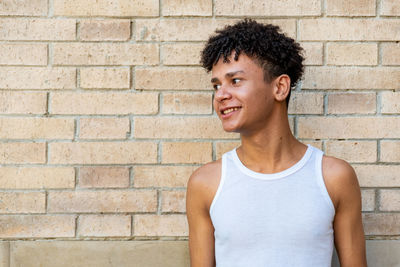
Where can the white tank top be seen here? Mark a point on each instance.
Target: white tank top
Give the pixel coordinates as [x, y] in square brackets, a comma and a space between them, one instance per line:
[273, 220]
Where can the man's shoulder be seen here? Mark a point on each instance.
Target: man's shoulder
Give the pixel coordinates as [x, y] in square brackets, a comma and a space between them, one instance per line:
[337, 168]
[206, 174]
[205, 180]
[340, 178]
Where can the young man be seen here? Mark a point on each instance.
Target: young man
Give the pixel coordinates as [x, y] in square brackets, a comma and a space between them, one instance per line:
[273, 201]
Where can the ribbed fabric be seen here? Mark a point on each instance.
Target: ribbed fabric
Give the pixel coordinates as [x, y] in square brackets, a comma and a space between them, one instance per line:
[275, 220]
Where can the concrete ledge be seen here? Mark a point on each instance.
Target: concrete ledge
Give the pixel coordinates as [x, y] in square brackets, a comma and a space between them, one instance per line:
[99, 253]
[383, 253]
[380, 253]
[4, 254]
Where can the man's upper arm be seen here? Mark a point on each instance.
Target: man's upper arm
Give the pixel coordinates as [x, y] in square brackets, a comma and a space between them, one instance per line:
[201, 230]
[348, 227]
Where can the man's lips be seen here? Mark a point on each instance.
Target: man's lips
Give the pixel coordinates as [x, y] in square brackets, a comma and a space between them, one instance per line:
[228, 110]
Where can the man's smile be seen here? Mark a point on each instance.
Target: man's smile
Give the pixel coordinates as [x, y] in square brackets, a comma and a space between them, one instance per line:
[228, 110]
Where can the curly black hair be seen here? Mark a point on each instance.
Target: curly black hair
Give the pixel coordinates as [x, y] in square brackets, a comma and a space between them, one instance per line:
[272, 50]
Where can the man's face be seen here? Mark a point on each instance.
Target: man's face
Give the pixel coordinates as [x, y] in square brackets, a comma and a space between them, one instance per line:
[242, 100]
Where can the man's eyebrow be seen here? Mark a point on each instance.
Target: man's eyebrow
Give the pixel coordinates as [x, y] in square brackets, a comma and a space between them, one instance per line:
[214, 80]
[233, 73]
[229, 74]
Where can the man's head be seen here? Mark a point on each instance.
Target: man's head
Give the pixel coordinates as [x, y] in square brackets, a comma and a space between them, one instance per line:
[274, 52]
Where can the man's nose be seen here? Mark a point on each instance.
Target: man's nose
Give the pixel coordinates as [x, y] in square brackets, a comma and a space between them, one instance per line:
[222, 94]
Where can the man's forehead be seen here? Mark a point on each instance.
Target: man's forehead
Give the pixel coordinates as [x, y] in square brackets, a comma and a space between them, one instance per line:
[228, 74]
[243, 63]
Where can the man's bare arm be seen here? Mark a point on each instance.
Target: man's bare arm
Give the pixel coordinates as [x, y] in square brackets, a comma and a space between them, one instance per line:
[348, 227]
[201, 231]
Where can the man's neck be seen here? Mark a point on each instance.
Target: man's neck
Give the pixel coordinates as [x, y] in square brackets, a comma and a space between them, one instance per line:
[272, 149]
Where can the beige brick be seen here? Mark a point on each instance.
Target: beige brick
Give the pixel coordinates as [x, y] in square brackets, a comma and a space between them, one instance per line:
[352, 103]
[105, 54]
[162, 176]
[390, 8]
[102, 201]
[181, 53]
[160, 225]
[103, 153]
[368, 199]
[24, 8]
[352, 151]
[313, 53]
[194, 29]
[36, 177]
[30, 226]
[350, 8]
[105, 30]
[22, 202]
[181, 78]
[22, 103]
[37, 78]
[349, 127]
[180, 127]
[306, 103]
[37, 29]
[187, 8]
[103, 128]
[100, 177]
[352, 54]
[104, 225]
[378, 175]
[389, 200]
[390, 151]
[186, 152]
[348, 29]
[105, 253]
[176, 30]
[108, 8]
[390, 53]
[36, 128]
[104, 103]
[381, 223]
[173, 201]
[109, 78]
[23, 54]
[223, 147]
[268, 8]
[19, 153]
[187, 103]
[354, 77]
[390, 102]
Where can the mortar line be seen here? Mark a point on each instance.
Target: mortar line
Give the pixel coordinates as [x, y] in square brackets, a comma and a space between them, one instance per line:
[213, 151]
[77, 177]
[159, 202]
[50, 8]
[132, 225]
[131, 177]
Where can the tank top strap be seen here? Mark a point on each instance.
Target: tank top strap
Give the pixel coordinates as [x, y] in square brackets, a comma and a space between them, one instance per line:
[320, 178]
[224, 163]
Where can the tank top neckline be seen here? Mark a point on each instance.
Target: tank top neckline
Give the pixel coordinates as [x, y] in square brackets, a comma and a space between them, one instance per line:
[271, 176]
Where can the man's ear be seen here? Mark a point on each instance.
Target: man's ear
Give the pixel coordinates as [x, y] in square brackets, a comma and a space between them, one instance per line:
[281, 87]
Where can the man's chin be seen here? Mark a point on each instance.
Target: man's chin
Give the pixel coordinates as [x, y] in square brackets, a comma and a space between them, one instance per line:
[231, 129]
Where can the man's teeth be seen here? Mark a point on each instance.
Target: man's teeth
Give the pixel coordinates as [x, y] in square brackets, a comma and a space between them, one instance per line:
[229, 110]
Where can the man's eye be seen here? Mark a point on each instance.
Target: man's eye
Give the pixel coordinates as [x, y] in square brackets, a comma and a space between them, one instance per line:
[235, 80]
[216, 86]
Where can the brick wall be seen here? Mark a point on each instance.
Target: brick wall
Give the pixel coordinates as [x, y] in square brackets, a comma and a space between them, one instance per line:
[105, 111]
